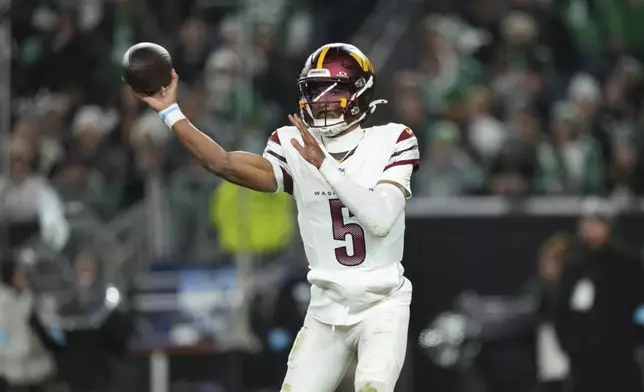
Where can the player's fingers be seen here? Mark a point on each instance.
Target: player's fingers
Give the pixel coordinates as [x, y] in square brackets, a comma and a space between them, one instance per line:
[306, 135]
[300, 148]
[295, 120]
[299, 122]
[305, 128]
[291, 119]
[174, 81]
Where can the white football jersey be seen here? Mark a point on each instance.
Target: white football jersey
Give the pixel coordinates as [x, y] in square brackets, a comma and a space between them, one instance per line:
[350, 270]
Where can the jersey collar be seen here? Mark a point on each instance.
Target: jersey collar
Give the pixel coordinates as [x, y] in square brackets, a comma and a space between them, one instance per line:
[345, 142]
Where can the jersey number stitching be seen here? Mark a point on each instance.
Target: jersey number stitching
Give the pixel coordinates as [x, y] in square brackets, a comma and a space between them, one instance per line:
[340, 232]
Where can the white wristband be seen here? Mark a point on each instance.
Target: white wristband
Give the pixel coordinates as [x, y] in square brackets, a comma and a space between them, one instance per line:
[171, 115]
[331, 171]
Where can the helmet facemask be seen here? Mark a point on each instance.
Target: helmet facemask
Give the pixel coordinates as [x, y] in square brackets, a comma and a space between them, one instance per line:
[324, 105]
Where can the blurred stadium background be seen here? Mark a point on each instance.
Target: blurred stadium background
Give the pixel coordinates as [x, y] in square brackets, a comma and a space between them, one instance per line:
[148, 274]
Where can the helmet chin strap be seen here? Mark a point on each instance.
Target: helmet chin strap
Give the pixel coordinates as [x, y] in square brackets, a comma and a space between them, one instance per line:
[340, 126]
[343, 143]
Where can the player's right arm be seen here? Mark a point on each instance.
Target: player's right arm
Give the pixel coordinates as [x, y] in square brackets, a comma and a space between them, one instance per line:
[241, 168]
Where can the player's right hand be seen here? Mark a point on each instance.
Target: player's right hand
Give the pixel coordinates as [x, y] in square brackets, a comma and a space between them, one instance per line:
[166, 97]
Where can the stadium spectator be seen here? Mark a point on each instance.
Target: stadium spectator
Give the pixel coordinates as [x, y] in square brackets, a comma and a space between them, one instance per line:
[28, 204]
[447, 171]
[94, 173]
[79, 182]
[25, 363]
[85, 356]
[267, 224]
[190, 54]
[598, 293]
[67, 59]
[409, 105]
[190, 188]
[486, 133]
[572, 163]
[552, 363]
[447, 71]
[49, 114]
[625, 170]
[149, 144]
[512, 172]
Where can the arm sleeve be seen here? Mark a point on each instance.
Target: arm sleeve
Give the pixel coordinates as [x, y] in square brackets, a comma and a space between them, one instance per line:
[275, 155]
[403, 161]
[377, 210]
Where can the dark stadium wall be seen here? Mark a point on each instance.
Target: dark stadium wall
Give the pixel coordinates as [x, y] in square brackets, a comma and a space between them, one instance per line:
[445, 256]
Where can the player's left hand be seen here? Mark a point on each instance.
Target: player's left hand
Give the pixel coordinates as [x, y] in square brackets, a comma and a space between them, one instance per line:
[311, 150]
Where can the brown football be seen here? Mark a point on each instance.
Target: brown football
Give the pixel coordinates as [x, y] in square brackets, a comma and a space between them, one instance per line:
[147, 67]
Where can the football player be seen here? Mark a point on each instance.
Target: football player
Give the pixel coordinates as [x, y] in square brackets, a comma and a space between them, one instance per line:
[350, 185]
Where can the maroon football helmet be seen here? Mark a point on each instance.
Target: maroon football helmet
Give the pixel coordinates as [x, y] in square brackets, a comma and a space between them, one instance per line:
[336, 78]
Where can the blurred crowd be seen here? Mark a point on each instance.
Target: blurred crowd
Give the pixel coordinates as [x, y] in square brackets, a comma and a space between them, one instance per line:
[79, 136]
[523, 97]
[509, 97]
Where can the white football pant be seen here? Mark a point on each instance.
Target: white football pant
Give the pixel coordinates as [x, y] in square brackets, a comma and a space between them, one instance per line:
[322, 352]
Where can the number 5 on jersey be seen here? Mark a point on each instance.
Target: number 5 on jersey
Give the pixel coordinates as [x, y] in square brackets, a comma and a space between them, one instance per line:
[340, 232]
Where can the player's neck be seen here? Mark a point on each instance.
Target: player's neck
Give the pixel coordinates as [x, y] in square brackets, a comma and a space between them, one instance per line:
[345, 141]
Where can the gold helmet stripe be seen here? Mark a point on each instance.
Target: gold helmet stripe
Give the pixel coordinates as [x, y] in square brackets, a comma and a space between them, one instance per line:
[364, 62]
[322, 55]
[359, 60]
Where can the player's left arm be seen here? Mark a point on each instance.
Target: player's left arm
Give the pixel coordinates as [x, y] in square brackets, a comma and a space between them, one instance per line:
[377, 209]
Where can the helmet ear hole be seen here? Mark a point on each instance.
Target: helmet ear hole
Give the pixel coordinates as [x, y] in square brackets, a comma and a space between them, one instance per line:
[343, 103]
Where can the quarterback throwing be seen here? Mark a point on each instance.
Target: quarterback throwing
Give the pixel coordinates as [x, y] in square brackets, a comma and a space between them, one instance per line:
[350, 185]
